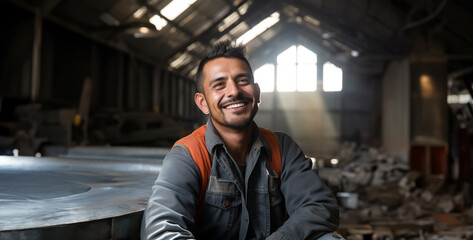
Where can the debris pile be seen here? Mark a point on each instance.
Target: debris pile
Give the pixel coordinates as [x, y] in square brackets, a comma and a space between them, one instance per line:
[381, 198]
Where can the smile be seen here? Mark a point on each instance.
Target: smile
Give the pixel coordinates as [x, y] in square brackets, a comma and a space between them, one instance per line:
[236, 105]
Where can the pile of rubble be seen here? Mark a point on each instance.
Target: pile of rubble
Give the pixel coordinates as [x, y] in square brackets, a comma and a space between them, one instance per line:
[381, 198]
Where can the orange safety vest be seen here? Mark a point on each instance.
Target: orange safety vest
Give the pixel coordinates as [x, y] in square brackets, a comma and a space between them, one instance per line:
[195, 143]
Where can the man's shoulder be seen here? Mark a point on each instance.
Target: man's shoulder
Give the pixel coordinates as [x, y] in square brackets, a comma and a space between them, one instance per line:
[281, 136]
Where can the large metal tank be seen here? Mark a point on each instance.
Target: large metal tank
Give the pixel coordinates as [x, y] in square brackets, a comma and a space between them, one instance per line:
[74, 198]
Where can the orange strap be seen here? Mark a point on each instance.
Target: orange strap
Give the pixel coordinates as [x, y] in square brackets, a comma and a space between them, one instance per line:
[272, 141]
[195, 143]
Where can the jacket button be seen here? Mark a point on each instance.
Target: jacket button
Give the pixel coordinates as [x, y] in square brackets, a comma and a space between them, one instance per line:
[246, 219]
[226, 203]
[273, 199]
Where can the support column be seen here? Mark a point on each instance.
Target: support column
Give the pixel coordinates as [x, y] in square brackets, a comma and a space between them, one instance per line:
[36, 65]
[429, 115]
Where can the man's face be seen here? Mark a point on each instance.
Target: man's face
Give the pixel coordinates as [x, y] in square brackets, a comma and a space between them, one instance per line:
[230, 94]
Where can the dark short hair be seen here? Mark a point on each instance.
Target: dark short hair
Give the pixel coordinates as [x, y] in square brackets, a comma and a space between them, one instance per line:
[226, 49]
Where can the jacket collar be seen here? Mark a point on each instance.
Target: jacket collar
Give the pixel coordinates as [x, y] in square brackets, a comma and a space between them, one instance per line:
[213, 139]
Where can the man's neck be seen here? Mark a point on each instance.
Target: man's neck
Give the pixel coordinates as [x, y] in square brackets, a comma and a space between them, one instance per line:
[238, 142]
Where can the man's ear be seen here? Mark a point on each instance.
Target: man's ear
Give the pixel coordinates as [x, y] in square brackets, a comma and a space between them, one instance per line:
[257, 93]
[200, 101]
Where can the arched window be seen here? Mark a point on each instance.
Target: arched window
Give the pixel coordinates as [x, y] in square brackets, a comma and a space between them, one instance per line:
[296, 70]
[264, 76]
[332, 78]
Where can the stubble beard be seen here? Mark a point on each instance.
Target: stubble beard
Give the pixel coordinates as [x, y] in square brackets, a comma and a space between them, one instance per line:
[237, 125]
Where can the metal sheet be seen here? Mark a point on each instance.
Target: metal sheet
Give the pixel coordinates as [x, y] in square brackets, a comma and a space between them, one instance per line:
[38, 195]
[115, 152]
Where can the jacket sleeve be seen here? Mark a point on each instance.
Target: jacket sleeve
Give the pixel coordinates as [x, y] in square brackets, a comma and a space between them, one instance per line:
[172, 206]
[311, 206]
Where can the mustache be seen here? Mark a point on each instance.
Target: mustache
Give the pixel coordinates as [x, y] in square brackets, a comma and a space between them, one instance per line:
[231, 100]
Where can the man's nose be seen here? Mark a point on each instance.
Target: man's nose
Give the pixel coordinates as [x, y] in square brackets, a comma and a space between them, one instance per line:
[232, 88]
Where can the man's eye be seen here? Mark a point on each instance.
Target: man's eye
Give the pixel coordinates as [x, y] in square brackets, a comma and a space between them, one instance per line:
[218, 85]
[244, 81]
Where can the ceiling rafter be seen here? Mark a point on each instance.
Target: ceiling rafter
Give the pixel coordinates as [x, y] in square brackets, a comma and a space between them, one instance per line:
[171, 22]
[83, 32]
[48, 6]
[255, 10]
[200, 37]
[342, 29]
[334, 56]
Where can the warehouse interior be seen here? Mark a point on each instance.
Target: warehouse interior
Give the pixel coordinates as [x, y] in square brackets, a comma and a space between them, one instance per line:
[377, 93]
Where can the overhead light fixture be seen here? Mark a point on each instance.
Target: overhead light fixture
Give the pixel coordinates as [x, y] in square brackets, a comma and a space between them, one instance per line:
[334, 161]
[171, 12]
[327, 35]
[354, 53]
[259, 28]
[143, 30]
[140, 32]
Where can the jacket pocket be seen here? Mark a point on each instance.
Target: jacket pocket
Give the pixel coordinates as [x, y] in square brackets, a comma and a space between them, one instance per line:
[222, 193]
[223, 201]
[221, 207]
[220, 186]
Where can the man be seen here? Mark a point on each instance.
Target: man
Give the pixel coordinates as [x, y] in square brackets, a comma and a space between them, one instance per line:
[244, 197]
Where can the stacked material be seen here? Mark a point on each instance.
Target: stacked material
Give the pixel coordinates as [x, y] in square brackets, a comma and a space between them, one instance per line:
[381, 198]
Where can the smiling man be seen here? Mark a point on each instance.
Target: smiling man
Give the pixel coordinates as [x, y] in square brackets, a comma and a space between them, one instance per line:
[230, 179]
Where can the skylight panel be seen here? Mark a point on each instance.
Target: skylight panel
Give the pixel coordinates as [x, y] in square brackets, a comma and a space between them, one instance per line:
[312, 20]
[181, 60]
[175, 8]
[240, 28]
[232, 18]
[244, 8]
[259, 28]
[193, 72]
[140, 12]
[223, 38]
[158, 22]
[170, 11]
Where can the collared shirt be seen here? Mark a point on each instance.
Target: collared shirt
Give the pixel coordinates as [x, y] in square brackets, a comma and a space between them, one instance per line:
[233, 203]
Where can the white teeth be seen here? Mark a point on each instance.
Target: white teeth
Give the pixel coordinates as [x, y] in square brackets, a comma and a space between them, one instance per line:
[235, 105]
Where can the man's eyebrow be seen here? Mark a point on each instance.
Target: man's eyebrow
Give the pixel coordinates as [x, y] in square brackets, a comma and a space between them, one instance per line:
[216, 80]
[248, 75]
[239, 75]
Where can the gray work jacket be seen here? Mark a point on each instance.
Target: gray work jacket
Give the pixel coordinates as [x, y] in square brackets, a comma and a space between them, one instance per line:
[233, 203]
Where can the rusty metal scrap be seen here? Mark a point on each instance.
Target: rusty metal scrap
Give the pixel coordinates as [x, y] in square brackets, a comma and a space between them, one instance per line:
[382, 198]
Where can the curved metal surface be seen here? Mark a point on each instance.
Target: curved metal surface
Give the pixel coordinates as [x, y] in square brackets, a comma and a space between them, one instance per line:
[115, 152]
[49, 192]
